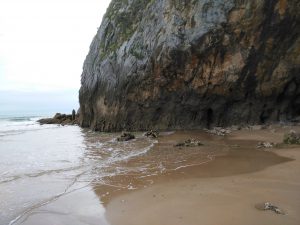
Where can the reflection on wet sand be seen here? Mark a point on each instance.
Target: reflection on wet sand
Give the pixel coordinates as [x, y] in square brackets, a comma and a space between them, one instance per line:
[218, 157]
[106, 169]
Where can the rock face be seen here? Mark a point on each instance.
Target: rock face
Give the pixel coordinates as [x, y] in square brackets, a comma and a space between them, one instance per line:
[62, 119]
[172, 64]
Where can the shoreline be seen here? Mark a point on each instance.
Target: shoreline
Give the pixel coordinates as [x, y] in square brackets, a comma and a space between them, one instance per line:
[228, 198]
[219, 182]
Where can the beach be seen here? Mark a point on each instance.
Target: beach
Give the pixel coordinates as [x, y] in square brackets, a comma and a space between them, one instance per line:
[63, 175]
[221, 192]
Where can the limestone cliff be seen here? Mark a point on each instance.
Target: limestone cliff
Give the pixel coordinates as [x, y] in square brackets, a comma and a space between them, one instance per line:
[171, 64]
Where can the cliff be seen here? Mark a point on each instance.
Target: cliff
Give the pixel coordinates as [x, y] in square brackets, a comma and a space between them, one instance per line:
[173, 64]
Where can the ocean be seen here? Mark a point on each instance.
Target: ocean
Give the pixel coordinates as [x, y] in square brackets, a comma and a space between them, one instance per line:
[40, 164]
[53, 174]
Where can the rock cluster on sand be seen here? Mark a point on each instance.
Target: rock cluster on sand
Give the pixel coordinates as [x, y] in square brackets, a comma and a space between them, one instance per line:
[265, 145]
[292, 138]
[219, 131]
[126, 137]
[151, 134]
[269, 206]
[189, 143]
[62, 119]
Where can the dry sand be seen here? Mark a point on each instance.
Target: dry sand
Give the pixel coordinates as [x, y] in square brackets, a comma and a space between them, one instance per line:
[223, 191]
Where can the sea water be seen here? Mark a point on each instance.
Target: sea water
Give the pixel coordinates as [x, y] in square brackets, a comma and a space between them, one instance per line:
[42, 163]
[53, 174]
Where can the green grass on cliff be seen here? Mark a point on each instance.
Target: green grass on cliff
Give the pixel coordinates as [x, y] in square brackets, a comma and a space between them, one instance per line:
[124, 18]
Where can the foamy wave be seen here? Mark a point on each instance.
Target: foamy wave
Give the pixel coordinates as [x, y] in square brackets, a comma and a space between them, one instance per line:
[18, 125]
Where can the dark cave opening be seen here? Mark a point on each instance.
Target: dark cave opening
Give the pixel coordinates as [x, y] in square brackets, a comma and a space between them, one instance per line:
[209, 117]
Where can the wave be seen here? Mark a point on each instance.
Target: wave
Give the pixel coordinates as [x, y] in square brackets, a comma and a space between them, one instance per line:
[83, 172]
[20, 119]
[18, 125]
[116, 154]
[40, 173]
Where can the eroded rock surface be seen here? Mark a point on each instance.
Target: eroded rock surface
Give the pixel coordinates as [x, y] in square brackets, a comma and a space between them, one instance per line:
[172, 64]
[61, 119]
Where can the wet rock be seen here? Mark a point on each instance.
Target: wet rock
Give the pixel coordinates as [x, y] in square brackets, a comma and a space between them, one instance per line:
[269, 206]
[49, 121]
[73, 114]
[62, 119]
[67, 121]
[219, 131]
[152, 134]
[265, 145]
[126, 137]
[189, 143]
[292, 137]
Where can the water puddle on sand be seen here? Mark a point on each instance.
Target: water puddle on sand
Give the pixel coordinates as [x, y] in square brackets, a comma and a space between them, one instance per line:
[106, 168]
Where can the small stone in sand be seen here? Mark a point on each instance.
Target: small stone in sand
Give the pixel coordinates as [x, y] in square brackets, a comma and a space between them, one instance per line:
[265, 145]
[189, 143]
[219, 131]
[269, 206]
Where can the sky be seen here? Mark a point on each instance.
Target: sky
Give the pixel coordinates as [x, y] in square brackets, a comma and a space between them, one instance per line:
[43, 44]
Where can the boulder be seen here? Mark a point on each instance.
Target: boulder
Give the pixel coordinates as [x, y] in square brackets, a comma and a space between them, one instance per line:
[62, 119]
[126, 137]
[292, 137]
[151, 134]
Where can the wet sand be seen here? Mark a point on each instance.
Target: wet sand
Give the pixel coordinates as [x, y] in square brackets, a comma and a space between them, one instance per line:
[217, 183]
[223, 191]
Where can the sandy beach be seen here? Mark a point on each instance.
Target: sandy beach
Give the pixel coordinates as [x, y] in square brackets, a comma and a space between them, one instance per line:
[98, 180]
[223, 191]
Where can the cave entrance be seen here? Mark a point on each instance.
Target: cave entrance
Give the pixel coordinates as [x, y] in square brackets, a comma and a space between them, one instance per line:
[209, 117]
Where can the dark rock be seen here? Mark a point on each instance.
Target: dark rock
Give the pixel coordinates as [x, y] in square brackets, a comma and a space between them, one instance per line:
[200, 64]
[189, 143]
[49, 121]
[57, 116]
[67, 121]
[61, 119]
[292, 138]
[73, 114]
[126, 137]
[152, 134]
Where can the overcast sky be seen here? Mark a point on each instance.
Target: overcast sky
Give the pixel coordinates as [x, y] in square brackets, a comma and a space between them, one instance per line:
[43, 44]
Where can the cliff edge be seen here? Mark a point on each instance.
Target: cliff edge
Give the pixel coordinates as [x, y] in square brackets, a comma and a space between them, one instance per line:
[173, 64]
